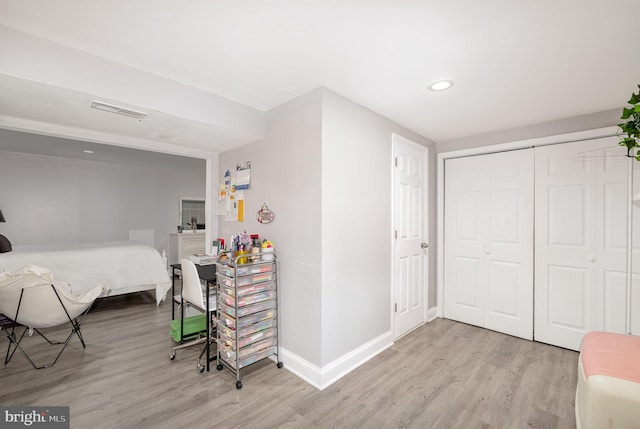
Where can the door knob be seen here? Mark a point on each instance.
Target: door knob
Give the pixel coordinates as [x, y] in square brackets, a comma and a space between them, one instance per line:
[424, 245]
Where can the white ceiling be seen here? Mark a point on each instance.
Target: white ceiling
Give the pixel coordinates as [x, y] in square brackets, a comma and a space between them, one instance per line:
[514, 62]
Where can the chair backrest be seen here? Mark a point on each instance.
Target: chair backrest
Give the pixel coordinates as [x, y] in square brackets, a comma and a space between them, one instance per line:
[32, 288]
[191, 287]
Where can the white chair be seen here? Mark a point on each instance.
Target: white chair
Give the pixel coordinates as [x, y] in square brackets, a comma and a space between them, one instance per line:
[32, 297]
[193, 295]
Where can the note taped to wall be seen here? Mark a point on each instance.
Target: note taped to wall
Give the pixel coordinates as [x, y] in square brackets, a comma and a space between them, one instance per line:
[241, 210]
[243, 175]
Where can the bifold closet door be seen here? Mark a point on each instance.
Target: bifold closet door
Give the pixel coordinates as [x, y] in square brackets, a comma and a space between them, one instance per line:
[488, 241]
[581, 240]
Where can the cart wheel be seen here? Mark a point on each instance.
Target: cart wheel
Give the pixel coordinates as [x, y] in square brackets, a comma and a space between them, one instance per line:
[201, 369]
[280, 365]
[238, 385]
[172, 356]
[219, 367]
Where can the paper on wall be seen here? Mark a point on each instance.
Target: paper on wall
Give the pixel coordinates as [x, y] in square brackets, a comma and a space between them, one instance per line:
[243, 175]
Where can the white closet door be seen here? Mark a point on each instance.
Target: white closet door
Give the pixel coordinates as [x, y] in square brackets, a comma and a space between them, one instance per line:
[581, 208]
[488, 278]
[635, 293]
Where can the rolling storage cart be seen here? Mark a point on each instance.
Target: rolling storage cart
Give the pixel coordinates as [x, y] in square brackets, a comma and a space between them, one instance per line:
[247, 312]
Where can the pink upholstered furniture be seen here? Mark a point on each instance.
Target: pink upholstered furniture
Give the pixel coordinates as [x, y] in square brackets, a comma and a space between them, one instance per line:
[608, 392]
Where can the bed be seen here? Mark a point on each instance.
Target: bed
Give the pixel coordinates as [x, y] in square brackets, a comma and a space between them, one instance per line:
[123, 266]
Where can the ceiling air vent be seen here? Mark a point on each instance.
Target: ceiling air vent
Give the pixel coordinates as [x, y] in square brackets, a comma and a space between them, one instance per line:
[99, 105]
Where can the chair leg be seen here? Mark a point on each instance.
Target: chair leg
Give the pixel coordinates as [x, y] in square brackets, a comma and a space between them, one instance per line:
[78, 332]
[16, 346]
[12, 337]
[45, 338]
[208, 343]
[73, 331]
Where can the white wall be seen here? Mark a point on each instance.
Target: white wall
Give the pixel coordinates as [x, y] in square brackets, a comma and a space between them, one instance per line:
[286, 173]
[325, 169]
[356, 225]
[48, 199]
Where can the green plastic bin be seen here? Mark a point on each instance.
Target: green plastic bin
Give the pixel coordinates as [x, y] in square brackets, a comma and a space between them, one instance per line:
[191, 325]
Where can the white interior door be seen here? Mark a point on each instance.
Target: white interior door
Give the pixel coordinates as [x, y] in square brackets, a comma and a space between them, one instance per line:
[488, 241]
[581, 233]
[410, 253]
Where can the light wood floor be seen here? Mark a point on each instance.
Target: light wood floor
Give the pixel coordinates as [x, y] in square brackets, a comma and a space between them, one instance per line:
[443, 375]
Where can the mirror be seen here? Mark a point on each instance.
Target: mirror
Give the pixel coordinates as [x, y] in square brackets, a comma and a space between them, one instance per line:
[192, 212]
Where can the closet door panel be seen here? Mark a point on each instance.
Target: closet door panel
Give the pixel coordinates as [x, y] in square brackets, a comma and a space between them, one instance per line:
[466, 291]
[489, 241]
[611, 229]
[504, 298]
[464, 244]
[614, 291]
[509, 244]
[568, 297]
[635, 302]
[568, 215]
[580, 240]
[565, 244]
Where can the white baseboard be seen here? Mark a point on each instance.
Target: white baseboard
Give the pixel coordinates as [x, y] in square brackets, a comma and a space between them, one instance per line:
[432, 313]
[321, 378]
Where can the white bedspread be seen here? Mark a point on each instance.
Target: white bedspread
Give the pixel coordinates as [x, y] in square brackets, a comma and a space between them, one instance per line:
[124, 266]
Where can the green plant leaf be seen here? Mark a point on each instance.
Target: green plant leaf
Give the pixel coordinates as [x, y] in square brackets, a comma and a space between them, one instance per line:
[626, 113]
[625, 126]
[631, 127]
[629, 143]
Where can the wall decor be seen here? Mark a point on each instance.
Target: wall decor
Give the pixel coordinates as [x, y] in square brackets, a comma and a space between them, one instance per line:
[265, 215]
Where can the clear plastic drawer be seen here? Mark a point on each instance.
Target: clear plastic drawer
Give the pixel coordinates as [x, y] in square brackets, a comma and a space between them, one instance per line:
[224, 280]
[248, 330]
[229, 341]
[246, 280]
[225, 270]
[254, 269]
[254, 278]
[250, 359]
[244, 352]
[248, 309]
[248, 289]
[243, 270]
[245, 322]
[247, 299]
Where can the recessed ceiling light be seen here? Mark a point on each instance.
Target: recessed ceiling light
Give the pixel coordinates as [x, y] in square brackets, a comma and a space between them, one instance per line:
[441, 85]
[88, 151]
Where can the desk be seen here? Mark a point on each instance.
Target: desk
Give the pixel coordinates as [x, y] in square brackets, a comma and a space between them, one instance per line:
[208, 274]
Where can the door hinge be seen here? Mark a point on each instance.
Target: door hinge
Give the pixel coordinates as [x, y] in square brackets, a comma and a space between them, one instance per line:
[396, 161]
[395, 307]
[395, 234]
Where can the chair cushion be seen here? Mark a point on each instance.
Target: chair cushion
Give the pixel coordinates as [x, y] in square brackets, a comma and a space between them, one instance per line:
[5, 244]
[613, 355]
[40, 307]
